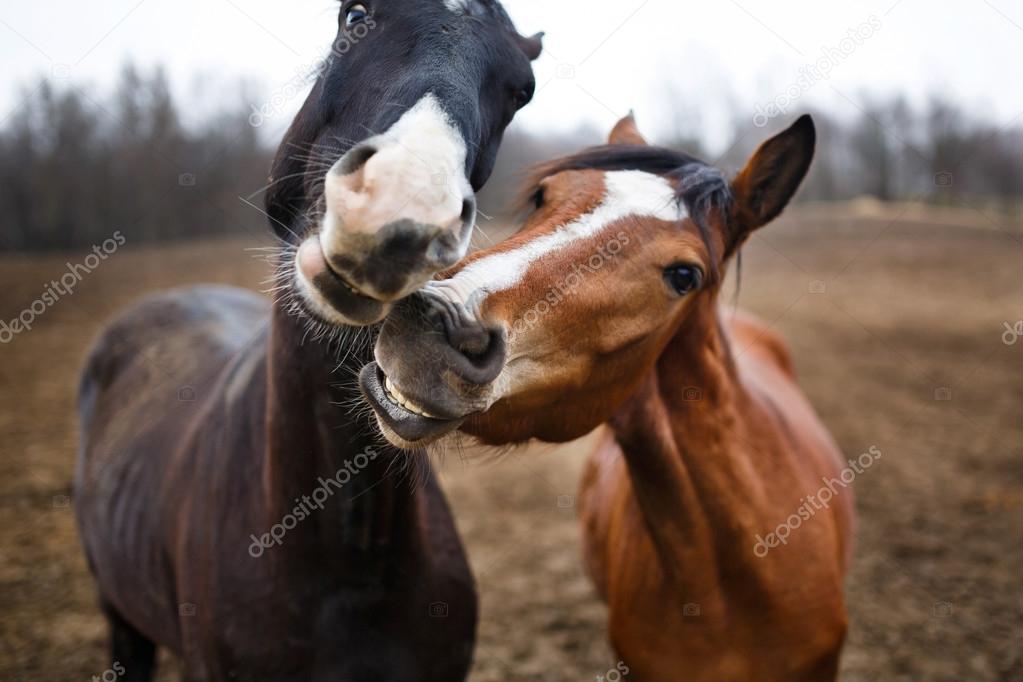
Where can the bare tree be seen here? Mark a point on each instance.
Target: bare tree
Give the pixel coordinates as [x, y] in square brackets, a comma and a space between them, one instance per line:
[76, 165]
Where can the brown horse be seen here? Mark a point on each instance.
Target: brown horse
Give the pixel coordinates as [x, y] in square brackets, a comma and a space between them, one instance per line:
[232, 506]
[604, 310]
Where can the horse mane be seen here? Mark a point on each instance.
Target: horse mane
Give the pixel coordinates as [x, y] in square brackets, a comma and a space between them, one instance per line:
[700, 187]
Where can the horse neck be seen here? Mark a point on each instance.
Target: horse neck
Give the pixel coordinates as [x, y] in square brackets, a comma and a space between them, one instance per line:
[678, 434]
[318, 439]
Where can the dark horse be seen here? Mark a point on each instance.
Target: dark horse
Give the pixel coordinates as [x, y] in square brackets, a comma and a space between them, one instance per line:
[232, 508]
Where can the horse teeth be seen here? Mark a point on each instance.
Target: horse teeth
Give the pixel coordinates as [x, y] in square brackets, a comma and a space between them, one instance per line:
[398, 398]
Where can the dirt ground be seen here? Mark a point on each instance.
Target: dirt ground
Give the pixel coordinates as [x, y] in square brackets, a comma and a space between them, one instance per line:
[896, 318]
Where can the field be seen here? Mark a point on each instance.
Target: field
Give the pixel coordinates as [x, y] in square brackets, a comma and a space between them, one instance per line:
[896, 317]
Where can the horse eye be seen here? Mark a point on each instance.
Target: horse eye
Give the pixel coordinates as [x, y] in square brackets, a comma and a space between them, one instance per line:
[538, 198]
[683, 279]
[523, 97]
[355, 14]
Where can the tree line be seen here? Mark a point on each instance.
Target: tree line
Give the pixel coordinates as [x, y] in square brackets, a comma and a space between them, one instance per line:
[885, 149]
[76, 165]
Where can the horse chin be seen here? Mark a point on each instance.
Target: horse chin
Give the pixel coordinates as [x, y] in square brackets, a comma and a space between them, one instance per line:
[404, 428]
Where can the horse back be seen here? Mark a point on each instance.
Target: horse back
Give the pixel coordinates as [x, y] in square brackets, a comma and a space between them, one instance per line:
[168, 338]
[145, 383]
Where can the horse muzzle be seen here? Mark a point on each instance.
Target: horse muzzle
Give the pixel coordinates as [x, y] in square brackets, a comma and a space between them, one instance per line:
[397, 209]
[436, 365]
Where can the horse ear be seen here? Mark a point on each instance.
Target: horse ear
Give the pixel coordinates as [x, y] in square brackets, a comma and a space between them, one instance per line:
[627, 132]
[531, 46]
[766, 185]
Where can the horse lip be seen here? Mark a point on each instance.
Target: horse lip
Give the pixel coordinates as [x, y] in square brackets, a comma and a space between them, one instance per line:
[327, 296]
[412, 429]
[355, 291]
[395, 261]
[332, 269]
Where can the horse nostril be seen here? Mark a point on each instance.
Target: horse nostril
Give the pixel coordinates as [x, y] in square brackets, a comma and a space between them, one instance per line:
[473, 344]
[469, 211]
[355, 159]
[449, 248]
[471, 351]
[481, 351]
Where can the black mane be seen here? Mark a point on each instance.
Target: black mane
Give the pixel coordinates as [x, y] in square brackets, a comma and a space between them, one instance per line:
[649, 159]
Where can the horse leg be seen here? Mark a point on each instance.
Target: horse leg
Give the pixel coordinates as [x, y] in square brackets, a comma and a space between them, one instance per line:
[132, 654]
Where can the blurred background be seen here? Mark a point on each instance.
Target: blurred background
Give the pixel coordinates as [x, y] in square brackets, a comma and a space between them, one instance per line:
[175, 109]
[895, 278]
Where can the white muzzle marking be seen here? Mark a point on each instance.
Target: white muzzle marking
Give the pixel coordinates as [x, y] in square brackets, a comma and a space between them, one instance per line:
[417, 173]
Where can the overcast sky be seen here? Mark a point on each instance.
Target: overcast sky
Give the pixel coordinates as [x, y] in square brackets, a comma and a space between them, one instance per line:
[675, 61]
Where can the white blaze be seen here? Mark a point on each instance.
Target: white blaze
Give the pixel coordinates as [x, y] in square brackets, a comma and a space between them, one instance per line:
[627, 193]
